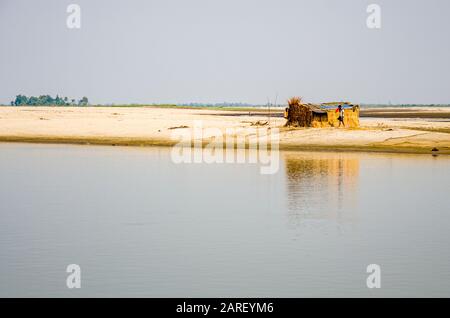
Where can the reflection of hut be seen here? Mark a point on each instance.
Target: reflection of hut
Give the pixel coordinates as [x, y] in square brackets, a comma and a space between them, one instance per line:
[322, 185]
[320, 115]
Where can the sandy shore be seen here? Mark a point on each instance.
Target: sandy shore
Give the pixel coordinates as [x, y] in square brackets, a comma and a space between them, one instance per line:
[155, 126]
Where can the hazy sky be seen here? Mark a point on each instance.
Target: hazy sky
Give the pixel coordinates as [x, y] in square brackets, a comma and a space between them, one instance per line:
[226, 50]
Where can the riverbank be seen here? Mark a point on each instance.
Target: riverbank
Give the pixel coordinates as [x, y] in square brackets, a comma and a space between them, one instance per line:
[151, 126]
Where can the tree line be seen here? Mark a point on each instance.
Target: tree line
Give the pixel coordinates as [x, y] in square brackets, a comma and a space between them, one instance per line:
[47, 100]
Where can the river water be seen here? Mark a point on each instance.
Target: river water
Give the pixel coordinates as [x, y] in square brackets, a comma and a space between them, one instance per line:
[138, 224]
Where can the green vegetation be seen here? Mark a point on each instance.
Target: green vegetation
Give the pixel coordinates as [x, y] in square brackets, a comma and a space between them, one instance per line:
[47, 100]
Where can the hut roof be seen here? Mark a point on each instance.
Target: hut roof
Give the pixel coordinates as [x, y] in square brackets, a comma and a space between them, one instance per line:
[315, 108]
[333, 105]
[327, 107]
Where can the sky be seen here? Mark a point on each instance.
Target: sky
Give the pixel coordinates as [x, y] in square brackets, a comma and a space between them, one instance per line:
[210, 51]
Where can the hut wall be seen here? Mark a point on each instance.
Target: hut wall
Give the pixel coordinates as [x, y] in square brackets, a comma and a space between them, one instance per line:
[319, 120]
[333, 118]
[351, 117]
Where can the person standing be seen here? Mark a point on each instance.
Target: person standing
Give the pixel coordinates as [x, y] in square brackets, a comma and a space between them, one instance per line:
[340, 109]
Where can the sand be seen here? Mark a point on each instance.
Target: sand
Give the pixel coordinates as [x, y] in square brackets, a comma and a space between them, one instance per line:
[145, 126]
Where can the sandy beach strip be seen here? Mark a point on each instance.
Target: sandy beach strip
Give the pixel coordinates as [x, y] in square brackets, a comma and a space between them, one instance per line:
[152, 126]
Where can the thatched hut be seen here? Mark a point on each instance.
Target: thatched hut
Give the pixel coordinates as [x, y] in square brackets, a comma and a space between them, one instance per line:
[320, 115]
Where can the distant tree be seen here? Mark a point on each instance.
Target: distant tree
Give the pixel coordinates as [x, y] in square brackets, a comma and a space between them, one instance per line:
[59, 101]
[83, 102]
[33, 101]
[47, 100]
[21, 100]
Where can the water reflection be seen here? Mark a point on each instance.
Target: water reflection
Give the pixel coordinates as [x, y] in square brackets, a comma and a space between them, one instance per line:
[321, 186]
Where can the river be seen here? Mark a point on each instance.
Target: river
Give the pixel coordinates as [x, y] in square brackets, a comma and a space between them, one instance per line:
[140, 225]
